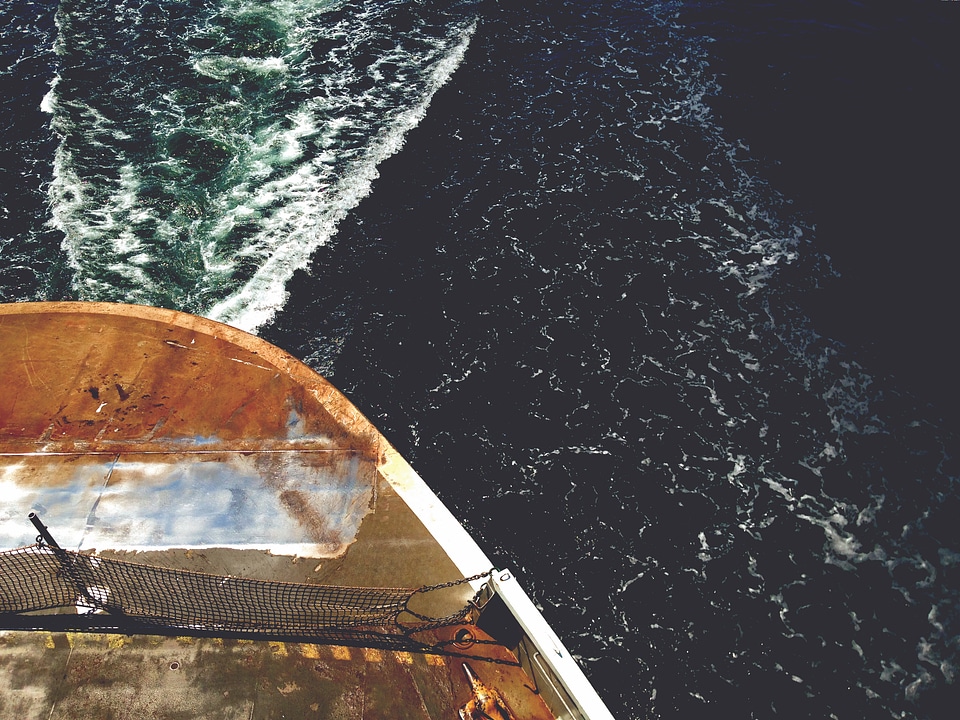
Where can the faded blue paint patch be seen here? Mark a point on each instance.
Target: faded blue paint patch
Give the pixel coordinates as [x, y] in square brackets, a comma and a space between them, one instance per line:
[296, 427]
[63, 506]
[289, 502]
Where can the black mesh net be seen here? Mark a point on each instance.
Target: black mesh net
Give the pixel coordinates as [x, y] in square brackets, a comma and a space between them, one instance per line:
[39, 577]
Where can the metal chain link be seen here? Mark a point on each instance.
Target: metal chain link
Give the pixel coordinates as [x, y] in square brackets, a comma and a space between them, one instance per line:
[433, 623]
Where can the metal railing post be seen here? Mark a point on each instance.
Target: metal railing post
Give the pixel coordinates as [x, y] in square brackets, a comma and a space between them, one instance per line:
[42, 529]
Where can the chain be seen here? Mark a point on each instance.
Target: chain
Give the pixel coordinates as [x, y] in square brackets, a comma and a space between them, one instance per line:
[433, 623]
[454, 583]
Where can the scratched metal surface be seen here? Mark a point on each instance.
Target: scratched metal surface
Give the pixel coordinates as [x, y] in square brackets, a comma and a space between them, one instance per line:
[63, 676]
[302, 503]
[161, 437]
[151, 435]
[155, 430]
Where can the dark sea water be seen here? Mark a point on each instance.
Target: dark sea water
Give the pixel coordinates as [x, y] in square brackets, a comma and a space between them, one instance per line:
[657, 296]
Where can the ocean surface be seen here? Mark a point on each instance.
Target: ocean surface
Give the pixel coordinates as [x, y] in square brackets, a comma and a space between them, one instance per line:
[658, 296]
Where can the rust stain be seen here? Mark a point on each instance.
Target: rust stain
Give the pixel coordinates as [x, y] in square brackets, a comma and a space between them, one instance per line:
[28, 365]
[119, 374]
[298, 505]
[487, 702]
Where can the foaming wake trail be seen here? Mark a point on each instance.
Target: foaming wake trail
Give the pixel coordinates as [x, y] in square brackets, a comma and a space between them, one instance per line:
[206, 151]
[305, 225]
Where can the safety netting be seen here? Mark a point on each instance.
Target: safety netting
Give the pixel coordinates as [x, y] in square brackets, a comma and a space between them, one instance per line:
[43, 578]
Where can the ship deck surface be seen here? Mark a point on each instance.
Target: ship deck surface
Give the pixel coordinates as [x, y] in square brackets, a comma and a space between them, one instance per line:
[161, 438]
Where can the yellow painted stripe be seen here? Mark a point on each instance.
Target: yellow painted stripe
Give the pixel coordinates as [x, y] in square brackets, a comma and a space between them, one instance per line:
[372, 655]
[310, 651]
[340, 652]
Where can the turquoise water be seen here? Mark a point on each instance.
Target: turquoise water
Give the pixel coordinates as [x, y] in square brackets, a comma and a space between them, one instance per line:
[206, 150]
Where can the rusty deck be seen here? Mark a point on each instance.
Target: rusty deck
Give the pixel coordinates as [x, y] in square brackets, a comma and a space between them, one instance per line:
[164, 438]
